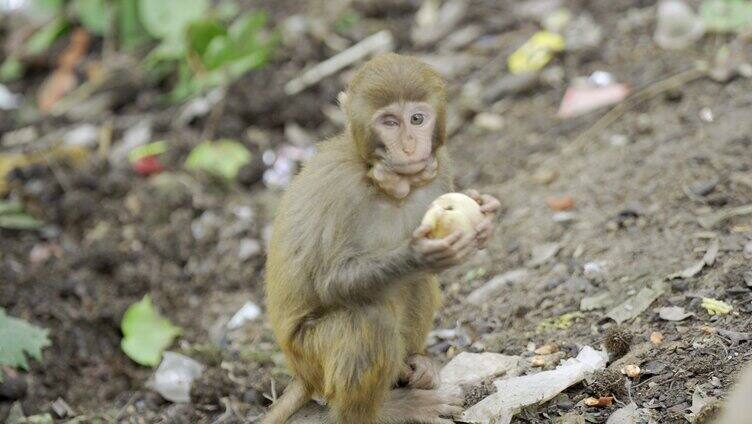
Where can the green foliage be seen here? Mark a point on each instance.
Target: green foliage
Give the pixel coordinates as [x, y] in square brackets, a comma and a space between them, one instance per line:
[195, 43]
[216, 54]
[11, 69]
[19, 339]
[346, 21]
[146, 333]
[41, 40]
[13, 217]
[94, 14]
[170, 18]
[726, 15]
[222, 158]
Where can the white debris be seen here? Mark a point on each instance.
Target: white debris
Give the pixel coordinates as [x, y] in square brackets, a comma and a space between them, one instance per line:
[678, 27]
[515, 393]
[249, 312]
[542, 253]
[174, 377]
[8, 99]
[491, 288]
[381, 42]
[135, 136]
[82, 136]
[673, 313]
[468, 369]
[629, 415]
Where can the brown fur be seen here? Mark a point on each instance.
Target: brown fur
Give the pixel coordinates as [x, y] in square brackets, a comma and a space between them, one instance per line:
[346, 299]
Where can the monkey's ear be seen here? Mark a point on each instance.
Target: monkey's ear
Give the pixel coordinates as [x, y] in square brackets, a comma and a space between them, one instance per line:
[342, 101]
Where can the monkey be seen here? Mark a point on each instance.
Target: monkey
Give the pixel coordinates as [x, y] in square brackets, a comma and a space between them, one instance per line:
[350, 278]
[738, 409]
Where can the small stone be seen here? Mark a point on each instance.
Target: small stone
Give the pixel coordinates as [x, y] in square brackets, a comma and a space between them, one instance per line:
[656, 338]
[706, 115]
[748, 250]
[13, 386]
[560, 203]
[545, 176]
[748, 278]
[248, 248]
[619, 140]
[489, 121]
[703, 187]
[547, 349]
[631, 371]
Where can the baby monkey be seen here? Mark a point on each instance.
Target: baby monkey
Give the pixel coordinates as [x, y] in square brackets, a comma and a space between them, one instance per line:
[351, 285]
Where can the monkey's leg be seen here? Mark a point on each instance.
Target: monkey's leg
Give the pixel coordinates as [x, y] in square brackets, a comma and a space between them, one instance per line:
[294, 398]
[423, 299]
[416, 406]
[361, 351]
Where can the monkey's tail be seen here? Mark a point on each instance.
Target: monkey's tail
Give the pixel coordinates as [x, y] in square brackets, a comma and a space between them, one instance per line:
[294, 397]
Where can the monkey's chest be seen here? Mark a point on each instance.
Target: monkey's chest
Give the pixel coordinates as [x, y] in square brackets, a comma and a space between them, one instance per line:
[389, 224]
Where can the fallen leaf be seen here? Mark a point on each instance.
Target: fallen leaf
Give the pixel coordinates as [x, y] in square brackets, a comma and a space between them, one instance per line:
[581, 100]
[634, 306]
[708, 259]
[146, 333]
[599, 401]
[673, 313]
[19, 339]
[716, 307]
[223, 158]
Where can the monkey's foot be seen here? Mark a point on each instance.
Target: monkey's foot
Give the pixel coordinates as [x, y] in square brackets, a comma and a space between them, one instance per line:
[420, 407]
[419, 372]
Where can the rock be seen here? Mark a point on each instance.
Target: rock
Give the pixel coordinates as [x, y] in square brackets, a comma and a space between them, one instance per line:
[543, 253]
[13, 385]
[490, 289]
[175, 375]
[582, 34]
[545, 176]
[517, 392]
[468, 369]
[19, 137]
[489, 121]
[510, 85]
[703, 187]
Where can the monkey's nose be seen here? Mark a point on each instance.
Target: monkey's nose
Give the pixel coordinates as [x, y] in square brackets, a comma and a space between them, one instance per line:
[408, 146]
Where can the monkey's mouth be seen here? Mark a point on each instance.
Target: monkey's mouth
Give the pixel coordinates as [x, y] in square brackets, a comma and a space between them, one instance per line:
[410, 168]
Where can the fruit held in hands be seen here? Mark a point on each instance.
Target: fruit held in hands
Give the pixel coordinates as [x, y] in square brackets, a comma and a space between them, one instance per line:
[451, 212]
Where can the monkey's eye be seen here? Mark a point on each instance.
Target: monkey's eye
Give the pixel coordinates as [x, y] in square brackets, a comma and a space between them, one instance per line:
[416, 119]
[390, 122]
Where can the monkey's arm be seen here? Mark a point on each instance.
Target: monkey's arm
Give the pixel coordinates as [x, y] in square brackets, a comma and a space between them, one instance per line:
[364, 275]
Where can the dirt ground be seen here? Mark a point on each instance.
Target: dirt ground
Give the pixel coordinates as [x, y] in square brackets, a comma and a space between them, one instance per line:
[639, 186]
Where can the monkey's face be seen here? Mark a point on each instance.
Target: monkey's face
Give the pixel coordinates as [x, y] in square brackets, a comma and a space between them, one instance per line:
[404, 136]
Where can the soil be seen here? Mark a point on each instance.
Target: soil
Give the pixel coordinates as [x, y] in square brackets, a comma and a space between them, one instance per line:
[116, 236]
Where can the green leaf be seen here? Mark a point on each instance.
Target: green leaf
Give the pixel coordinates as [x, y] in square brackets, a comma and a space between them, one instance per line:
[41, 41]
[11, 69]
[7, 207]
[19, 221]
[132, 33]
[246, 27]
[170, 18]
[726, 15]
[146, 333]
[222, 157]
[346, 21]
[93, 14]
[219, 52]
[19, 339]
[201, 33]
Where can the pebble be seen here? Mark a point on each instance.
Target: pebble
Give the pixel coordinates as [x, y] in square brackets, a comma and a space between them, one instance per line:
[748, 250]
[545, 176]
[703, 187]
[489, 121]
[13, 386]
[560, 203]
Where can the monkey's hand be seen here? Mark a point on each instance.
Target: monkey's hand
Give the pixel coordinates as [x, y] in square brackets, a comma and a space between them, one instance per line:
[490, 206]
[419, 372]
[438, 254]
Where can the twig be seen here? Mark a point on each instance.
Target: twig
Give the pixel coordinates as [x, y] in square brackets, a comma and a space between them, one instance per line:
[641, 96]
[380, 42]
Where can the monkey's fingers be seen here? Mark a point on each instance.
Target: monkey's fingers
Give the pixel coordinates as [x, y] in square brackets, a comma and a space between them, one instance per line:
[457, 252]
[421, 231]
[429, 247]
[475, 195]
[489, 204]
